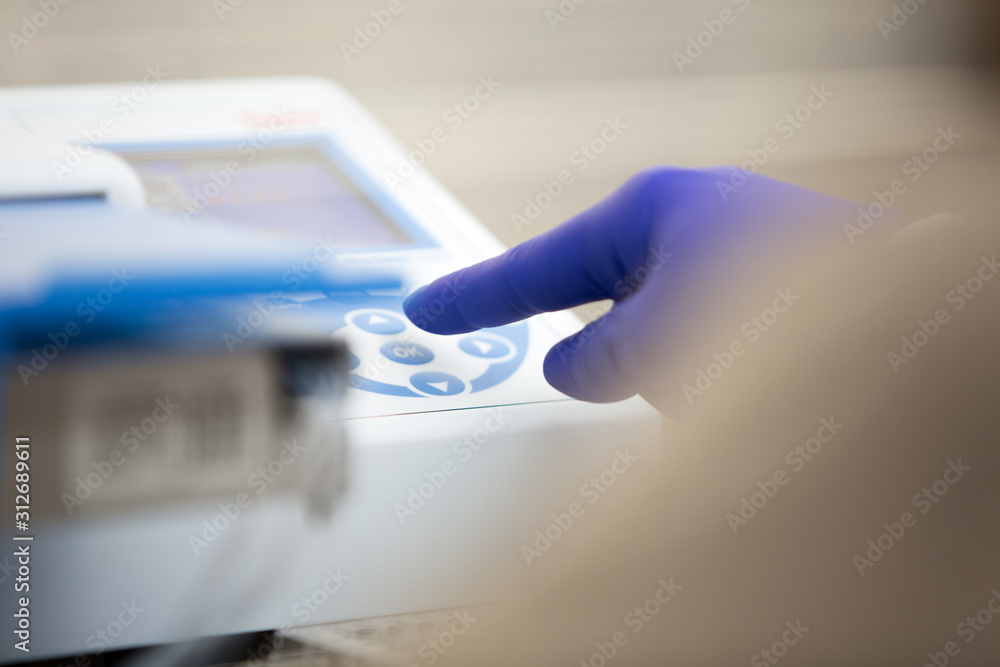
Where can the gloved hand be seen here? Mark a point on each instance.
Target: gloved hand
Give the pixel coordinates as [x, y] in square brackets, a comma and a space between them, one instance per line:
[664, 247]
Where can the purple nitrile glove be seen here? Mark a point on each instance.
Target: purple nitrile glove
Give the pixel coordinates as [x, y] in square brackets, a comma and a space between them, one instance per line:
[657, 247]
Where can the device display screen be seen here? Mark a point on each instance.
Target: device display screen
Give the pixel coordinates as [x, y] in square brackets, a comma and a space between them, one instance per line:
[287, 191]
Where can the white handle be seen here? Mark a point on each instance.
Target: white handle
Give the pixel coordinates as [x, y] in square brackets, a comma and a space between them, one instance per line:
[34, 167]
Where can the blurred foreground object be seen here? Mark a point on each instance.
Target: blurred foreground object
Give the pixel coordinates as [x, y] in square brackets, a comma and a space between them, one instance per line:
[835, 499]
[122, 398]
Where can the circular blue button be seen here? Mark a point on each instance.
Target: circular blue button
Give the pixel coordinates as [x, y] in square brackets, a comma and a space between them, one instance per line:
[485, 348]
[437, 384]
[352, 361]
[383, 324]
[406, 353]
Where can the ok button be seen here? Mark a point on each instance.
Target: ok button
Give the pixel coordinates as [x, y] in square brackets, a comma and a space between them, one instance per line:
[407, 353]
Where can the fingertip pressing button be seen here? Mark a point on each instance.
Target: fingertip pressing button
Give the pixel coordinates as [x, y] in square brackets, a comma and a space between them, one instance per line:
[412, 303]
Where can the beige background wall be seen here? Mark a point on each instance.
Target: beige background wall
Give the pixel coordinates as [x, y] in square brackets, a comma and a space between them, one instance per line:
[610, 58]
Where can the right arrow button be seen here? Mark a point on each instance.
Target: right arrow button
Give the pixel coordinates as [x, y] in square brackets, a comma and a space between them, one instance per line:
[484, 348]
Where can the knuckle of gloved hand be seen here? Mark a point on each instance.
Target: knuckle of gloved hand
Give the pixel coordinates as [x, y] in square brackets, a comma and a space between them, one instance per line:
[673, 184]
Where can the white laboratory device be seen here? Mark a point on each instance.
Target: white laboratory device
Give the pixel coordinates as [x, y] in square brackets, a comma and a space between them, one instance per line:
[459, 449]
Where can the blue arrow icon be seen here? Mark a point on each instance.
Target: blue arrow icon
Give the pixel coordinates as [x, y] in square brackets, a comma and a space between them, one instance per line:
[484, 348]
[380, 323]
[436, 383]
